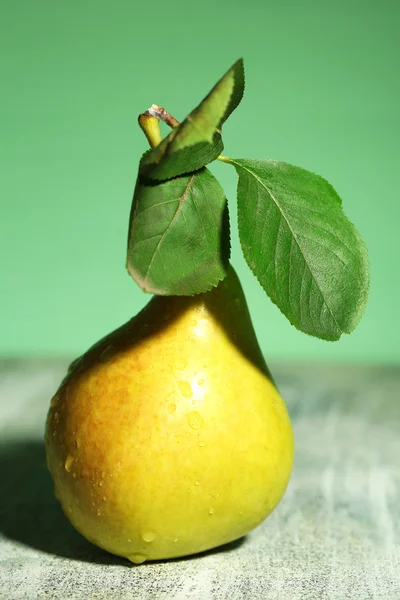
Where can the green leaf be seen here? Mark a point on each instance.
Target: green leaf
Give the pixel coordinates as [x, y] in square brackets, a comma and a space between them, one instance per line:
[304, 251]
[179, 235]
[197, 140]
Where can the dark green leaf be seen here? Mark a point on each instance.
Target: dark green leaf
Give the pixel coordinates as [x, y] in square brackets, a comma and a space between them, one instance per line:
[197, 140]
[304, 251]
[179, 235]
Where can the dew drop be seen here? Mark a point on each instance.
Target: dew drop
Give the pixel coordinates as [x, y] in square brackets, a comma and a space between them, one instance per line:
[107, 353]
[171, 408]
[197, 482]
[69, 462]
[211, 510]
[101, 483]
[186, 389]
[70, 509]
[202, 444]
[137, 558]
[99, 513]
[149, 536]
[175, 539]
[54, 401]
[104, 499]
[195, 419]
[200, 381]
[74, 475]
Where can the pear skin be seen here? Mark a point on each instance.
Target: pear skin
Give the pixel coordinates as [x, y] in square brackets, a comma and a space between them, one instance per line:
[169, 436]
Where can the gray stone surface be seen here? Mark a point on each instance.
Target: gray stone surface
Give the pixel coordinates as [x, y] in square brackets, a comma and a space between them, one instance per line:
[336, 534]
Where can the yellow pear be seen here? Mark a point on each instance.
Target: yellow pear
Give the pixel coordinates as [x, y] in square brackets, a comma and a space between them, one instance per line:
[169, 437]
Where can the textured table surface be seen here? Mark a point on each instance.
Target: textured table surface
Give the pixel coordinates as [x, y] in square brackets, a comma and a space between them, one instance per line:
[336, 534]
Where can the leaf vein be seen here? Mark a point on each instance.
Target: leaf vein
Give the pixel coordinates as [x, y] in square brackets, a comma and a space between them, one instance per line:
[179, 207]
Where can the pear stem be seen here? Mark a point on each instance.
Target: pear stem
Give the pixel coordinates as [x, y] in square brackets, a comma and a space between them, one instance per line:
[149, 122]
[151, 129]
[162, 115]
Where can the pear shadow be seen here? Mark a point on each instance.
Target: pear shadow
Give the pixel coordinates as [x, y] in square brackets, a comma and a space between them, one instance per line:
[31, 515]
[29, 512]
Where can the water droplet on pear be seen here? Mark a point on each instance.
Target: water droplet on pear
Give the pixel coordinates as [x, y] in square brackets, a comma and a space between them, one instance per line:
[185, 389]
[137, 558]
[149, 536]
[195, 420]
[69, 462]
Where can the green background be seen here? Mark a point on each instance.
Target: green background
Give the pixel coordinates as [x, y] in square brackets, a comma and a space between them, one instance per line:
[322, 93]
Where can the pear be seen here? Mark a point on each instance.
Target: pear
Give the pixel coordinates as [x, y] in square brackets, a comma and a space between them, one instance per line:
[169, 436]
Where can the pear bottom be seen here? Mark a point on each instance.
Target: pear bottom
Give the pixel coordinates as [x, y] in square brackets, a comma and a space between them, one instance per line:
[169, 437]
